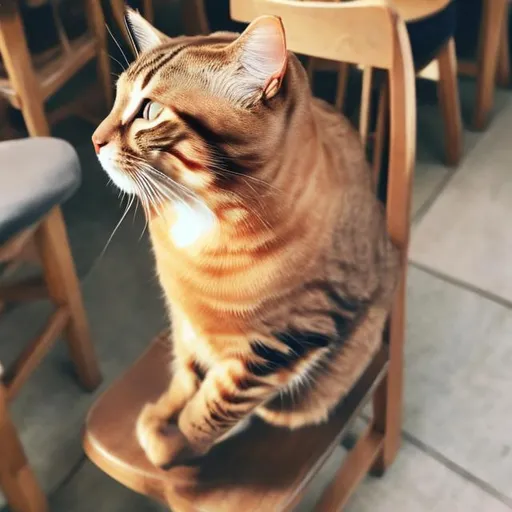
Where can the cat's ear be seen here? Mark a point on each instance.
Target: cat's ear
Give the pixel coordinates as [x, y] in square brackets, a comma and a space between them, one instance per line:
[143, 35]
[263, 54]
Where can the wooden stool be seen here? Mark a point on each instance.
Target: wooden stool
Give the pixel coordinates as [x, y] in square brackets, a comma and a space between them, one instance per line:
[28, 85]
[33, 214]
[266, 468]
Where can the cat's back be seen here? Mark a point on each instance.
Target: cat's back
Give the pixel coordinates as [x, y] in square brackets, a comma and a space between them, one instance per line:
[343, 145]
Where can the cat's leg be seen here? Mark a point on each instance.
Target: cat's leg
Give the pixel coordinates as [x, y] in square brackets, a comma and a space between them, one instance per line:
[153, 424]
[228, 396]
[230, 392]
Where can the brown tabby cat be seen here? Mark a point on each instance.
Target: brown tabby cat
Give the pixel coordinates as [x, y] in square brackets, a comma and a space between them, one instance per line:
[270, 246]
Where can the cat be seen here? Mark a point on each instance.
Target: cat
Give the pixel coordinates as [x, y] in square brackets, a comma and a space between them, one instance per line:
[270, 245]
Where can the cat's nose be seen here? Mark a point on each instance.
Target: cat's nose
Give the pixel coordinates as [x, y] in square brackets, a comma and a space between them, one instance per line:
[98, 142]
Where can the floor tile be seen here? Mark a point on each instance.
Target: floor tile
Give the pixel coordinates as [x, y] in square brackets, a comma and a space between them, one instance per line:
[90, 489]
[418, 483]
[458, 378]
[431, 173]
[466, 233]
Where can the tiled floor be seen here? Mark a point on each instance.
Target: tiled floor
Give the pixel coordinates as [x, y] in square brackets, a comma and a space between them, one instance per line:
[457, 450]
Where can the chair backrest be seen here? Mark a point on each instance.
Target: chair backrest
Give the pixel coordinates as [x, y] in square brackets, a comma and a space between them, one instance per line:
[367, 33]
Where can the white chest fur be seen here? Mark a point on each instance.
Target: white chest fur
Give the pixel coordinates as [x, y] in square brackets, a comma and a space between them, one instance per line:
[192, 225]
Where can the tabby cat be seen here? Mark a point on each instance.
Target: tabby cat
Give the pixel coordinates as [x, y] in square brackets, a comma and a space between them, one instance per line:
[270, 245]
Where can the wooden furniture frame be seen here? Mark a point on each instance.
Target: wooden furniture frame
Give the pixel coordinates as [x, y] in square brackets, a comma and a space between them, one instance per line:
[264, 468]
[28, 85]
[118, 11]
[493, 60]
[62, 287]
[443, 70]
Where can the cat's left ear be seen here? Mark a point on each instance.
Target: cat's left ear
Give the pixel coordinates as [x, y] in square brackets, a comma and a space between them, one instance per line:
[143, 35]
[263, 54]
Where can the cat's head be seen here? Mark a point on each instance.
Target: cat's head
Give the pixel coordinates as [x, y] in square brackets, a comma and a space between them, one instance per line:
[193, 115]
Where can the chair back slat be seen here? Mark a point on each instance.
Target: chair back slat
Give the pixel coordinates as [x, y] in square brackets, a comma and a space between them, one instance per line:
[364, 111]
[342, 32]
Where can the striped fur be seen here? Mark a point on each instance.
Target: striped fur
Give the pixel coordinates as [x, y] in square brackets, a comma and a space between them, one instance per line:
[270, 246]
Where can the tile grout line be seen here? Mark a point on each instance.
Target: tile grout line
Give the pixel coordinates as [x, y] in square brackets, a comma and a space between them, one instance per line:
[451, 465]
[462, 284]
[459, 470]
[425, 207]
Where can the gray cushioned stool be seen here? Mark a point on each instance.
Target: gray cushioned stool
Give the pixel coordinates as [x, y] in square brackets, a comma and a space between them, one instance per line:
[36, 176]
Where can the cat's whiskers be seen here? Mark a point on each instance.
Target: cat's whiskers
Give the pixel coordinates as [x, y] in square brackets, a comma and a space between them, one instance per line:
[128, 206]
[120, 65]
[165, 188]
[119, 46]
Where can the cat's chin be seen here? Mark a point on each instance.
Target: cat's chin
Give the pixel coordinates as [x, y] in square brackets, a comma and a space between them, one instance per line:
[106, 157]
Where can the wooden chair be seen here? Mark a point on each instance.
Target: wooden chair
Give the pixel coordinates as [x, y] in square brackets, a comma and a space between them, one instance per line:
[194, 19]
[441, 67]
[31, 213]
[265, 468]
[493, 60]
[29, 83]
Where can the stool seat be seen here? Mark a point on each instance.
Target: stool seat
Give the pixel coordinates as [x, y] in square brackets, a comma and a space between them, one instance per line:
[261, 469]
[36, 174]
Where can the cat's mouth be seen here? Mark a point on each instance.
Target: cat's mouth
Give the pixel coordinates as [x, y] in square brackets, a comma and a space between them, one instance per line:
[108, 159]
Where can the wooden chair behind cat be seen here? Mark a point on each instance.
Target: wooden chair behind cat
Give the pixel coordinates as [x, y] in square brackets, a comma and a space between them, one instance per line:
[266, 468]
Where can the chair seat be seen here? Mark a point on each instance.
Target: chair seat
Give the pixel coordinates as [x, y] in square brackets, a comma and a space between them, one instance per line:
[261, 469]
[36, 174]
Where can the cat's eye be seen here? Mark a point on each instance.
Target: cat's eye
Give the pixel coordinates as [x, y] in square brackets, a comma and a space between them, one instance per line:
[151, 110]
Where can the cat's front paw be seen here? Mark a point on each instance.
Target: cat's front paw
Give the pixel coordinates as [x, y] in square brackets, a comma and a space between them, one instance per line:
[163, 443]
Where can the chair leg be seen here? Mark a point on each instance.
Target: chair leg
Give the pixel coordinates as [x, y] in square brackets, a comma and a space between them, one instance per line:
[503, 73]
[96, 22]
[448, 93]
[148, 10]
[494, 12]
[18, 64]
[387, 400]
[64, 288]
[194, 18]
[17, 481]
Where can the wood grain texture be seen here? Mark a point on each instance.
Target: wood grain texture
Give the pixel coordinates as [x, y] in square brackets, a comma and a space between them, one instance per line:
[30, 83]
[494, 12]
[344, 32]
[17, 481]
[448, 93]
[64, 289]
[21, 75]
[264, 468]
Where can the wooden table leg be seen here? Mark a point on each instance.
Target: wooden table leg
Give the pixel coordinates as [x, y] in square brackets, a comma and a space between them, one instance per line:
[18, 64]
[64, 288]
[17, 481]
[494, 12]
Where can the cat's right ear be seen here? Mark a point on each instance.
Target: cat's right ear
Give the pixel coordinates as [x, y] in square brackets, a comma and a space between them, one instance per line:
[143, 35]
